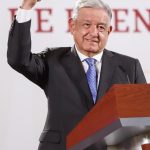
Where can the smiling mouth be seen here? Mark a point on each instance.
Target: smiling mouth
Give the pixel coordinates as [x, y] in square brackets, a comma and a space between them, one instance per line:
[92, 41]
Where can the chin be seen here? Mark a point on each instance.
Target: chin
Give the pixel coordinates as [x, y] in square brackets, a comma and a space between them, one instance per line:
[94, 50]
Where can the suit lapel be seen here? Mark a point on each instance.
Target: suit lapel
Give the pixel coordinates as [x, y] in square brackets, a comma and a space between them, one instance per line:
[110, 74]
[107, 70]
[74, 69]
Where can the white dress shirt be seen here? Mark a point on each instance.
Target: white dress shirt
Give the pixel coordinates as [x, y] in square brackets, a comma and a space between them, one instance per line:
[98, 64]
[23, 15]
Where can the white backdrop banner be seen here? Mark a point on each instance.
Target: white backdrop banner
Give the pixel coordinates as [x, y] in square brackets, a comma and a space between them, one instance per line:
[23, 105]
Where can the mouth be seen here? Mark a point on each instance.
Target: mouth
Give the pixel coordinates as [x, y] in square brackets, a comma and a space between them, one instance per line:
[92, 40]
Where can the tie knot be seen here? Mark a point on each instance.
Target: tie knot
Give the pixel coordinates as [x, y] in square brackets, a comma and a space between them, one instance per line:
[90, 61]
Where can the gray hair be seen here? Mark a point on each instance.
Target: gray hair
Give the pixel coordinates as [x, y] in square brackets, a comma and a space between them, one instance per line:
[91, 4]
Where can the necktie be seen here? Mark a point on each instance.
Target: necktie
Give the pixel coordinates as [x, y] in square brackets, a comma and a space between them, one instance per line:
[91, 77]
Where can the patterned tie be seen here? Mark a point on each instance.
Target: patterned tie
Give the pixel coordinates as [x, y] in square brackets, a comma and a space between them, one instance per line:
[91, 77]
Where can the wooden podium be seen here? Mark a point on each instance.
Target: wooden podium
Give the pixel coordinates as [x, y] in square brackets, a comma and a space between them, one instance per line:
[146, 147]
[122, 113]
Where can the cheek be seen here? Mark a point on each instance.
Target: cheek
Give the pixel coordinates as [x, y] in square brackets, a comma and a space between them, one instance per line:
[79, 35]
[81, 32]
[103, 38]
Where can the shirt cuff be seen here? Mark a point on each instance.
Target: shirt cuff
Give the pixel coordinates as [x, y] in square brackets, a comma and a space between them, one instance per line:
[23, 15]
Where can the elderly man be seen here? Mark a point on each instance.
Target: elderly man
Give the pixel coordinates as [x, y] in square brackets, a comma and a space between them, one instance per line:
[73, 78]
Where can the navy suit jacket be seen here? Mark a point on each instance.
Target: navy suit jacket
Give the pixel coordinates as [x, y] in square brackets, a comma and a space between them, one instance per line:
[59, 72]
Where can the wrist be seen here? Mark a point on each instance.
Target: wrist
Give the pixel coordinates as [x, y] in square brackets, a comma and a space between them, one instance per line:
[27, 6]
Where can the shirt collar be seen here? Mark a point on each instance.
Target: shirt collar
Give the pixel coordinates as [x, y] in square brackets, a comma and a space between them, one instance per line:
[82, 57]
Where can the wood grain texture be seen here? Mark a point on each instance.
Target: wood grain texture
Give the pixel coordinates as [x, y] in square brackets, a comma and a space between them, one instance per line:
[133, 100]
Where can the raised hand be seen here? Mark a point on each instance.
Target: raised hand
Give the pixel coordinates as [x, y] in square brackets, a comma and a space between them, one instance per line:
[28, 4]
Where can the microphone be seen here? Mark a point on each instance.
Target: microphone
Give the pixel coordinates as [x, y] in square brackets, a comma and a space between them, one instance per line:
[124, 71]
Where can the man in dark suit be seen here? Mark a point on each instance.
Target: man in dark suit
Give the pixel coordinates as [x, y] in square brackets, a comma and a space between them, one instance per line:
[61, 72]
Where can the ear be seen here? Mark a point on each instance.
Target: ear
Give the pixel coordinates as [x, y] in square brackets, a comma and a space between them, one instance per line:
[110, 29]
[71, 24]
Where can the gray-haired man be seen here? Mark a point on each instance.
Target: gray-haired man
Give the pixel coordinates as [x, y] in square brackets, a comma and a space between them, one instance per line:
[61, 72]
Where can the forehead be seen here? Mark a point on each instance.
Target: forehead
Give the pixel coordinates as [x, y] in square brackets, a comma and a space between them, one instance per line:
[93, 14]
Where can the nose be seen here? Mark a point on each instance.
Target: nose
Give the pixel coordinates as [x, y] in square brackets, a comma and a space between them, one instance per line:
[94, 31]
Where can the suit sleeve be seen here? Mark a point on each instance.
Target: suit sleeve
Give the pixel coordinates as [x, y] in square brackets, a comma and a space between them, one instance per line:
[139, 75]
[19, 54]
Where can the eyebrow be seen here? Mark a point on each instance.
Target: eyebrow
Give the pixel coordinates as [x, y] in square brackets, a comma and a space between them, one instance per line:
[100, 23]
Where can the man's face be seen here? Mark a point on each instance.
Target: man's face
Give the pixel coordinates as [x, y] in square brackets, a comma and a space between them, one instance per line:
[90, 30]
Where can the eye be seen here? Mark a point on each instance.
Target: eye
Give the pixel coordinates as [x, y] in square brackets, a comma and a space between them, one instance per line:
[101, 28]
[86, 25]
